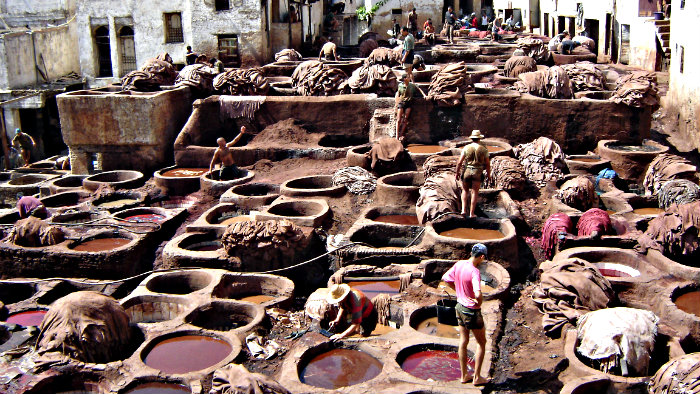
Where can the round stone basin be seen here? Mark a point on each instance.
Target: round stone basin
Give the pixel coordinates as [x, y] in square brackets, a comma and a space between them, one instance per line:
[256, 189]
[400, 189]
[142, 215]
[424, 149]
[121, 179]
[338, 368]
[204, 246]
[632, 148]
[688, 300]
[67, 199]
[393, 215]
[224, 315]
[229, 220]
[116, 201]
[251, 195]
[431, 361]
[102, 243]
[181, 354]
[425, 320]
[616, 264]
[25, 180]
[179, 282]
[585, 158]
[159, 388]
[15, 292]
[77, 217]
[70, 383]
[199, 242]
[184, 172]
[480, 234]
[412, 179]
[375, 287]
[153, 309]
[615, 270]
[27, 318]
[359, 156]
[651, 211]
[296, 208]
[255, 288]
[317, 185]
[382, 236]
[66, 182]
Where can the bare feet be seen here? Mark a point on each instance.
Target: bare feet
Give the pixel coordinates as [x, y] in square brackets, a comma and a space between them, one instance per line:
[479, 381]
[467, 380]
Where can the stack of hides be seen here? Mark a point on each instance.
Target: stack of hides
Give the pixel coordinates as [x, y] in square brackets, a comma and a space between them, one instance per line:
[447, 86]
[559, 223]
[595, 222]
[198, 76]
[506, 173]
[675, 232]
[542, 159]
[637, 89]
[517, 65]
[439, 194]
[585, 76]
[578, 193]
[288, 55]
[154, 74]
[386, 56]
[311, 78]
[680, 375]
[550, 83]
[534, 48]
[666, 167]
[242, 82]
[678, 191]
[375, 78]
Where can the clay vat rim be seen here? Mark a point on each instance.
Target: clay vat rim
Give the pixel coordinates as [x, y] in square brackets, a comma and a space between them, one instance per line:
[505, 226]
[55, 182]
[311, 352]
[323, 209]
[41, 178]
[406, 351]
[333, 188]
[134, 300]
[382, 181]
[137, 210]
[610, 144]
[80, 194]
[136, 175]
[10, 283]
[214, 213]
[142, 380]
[90, 377]
[247, 175]
[272, 188]
[105, 234]
[168, 276]
[60, 218]
[372, 213]
[412, 231]
[255, 312]
[680, 290]
[159, 173]
[489, 265]
[285, 287]
[582, 252]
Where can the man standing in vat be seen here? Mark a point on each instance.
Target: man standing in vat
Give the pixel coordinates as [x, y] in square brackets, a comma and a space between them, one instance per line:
[355, 308]
[465, 279]
[470, 171]
[224, 156]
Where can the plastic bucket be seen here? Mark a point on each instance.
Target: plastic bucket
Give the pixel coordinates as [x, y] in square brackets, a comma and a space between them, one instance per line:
[446, 313]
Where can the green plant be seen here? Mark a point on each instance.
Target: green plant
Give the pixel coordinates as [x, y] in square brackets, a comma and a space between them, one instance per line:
[363, 14]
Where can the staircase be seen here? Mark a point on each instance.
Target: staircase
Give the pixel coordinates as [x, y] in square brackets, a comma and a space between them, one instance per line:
[663, 34]
[382, 124]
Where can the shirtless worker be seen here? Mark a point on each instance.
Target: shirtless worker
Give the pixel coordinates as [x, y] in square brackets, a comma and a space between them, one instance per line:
[328, 51]
[24, 143]
[465, 279]
[224, 156]
[470, 171]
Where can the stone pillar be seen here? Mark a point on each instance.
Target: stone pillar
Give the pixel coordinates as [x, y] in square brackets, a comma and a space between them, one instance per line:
[114, 49]
[12, 122]
[80, 162]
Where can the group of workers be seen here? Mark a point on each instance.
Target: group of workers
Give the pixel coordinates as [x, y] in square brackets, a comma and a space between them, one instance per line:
[195, 58]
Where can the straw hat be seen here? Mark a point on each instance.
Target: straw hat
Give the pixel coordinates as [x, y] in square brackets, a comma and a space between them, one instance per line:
[337, 293]
[476, 135]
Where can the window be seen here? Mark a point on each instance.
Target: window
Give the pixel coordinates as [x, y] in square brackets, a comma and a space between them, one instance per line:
[173, 27]
[396, 11]
[228, 49]
[128, 51]
[222, 5]
[104, 52]
[681, 56]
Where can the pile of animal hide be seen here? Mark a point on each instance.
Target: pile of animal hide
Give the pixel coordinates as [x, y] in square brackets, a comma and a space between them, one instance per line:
[86, 326]
[542, 159]
[386, 56]
[666, 167]
[675, 232]
[236, 379]
[568, 289]
[439, 194]
[586, 42]
[578, 193]
[311, 78]
[387, 150]
[678, 191]
[367, 46]
[595, 222]
[619, 341]
[288, 55]
[437, 163]
[198, 76]
[558, 223]
[551, 83]
[585, 76]
[375, 78]
[34, 232]
[356, 179]
[154, 74]
[534, 48]
[242, 82]
[447, 86]
[517, 65]
[506, 173]
[680, 375]
[637, 89]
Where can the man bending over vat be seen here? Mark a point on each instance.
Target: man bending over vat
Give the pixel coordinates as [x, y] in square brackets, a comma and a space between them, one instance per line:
[464, 278]
[224, 156]
[31, 206]
[355, 308]
[473, 160]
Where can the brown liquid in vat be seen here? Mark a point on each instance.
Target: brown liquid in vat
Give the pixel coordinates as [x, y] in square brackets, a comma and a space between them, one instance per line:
[689, 302]
[257, 299]
[423, 149]
[185, 172]
[187, 353]
[473, 233]
[494, 148]
[101, 244]
[117, 203]
[431, 326]
[648, 211]
[409, 220]
[340, 368]
[373, 288]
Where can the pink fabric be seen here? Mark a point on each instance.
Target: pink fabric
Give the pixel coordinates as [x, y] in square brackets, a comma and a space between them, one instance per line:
[466, 278]
[595, 220]
[559, 222]
[27, 204]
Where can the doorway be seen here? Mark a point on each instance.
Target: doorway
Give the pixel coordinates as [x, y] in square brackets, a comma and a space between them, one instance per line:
[592, 27]
[104, 52]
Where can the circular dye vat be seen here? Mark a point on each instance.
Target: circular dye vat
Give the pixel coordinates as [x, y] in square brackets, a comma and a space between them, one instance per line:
[431, 326]
[187, 353]
[257, 299]
[101, 244]
[648, 211]
[633, 148]
[159, 388]
[409, 220]
[424, 149]
[472, 233]
[27, 318]
[689, 302]
[185, 172]
[373, 288]
[439, 365]
[145, 218]
[117, 203]
[228, 220]
[340, 368]
[206, 246]
[494, 148]
[616, 270]
[485, 289]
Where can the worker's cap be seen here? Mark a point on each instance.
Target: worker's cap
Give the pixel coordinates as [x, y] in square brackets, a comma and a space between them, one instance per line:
[17, 130]
[479, 249]
[337, 293]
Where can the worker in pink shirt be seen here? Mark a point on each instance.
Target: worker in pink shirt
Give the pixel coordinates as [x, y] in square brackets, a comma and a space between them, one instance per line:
[465, 279]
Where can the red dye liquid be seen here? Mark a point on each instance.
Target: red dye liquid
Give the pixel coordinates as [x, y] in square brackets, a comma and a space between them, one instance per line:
[340, 368]
[187, 353]
[371, 289]
[612, 273]
[101, 244]
[28, 318]
[159, 388]
[440, 365]
[146, 218]
[410, 220]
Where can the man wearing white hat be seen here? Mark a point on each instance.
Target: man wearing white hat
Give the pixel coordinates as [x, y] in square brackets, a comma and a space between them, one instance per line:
[470, 171]
[355, 308]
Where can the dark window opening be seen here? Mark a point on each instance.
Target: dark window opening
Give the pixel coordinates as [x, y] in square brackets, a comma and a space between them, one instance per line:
[104, 52]
[128, 49]
[396, 11]
[682, 4]
[173, 27]
[222, 5]
[546, 24]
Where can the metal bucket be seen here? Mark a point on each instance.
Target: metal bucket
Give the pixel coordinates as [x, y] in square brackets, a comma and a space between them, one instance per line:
[446, 313]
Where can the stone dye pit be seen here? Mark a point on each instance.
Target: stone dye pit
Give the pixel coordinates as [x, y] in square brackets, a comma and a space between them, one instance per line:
[340, 368]
[186, 353]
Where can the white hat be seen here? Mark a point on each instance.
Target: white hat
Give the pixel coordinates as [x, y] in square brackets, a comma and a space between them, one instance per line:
[476, 135]
[337, 293]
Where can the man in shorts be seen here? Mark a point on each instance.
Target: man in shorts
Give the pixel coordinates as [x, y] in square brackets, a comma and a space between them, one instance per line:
[409, 43]
[404, 99]
[464, 278]
[470, 171]
[223, 155]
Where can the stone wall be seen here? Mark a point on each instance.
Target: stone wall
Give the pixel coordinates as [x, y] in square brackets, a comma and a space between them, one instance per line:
[425, 9]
